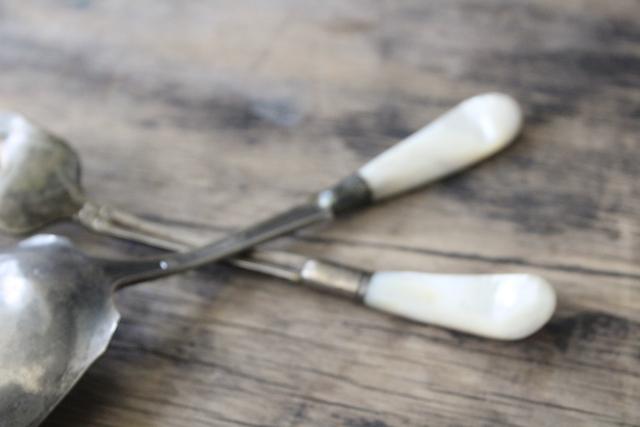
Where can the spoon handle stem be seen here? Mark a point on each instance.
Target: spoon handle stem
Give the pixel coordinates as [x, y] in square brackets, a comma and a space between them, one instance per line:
[123, 225]
[126, 273]
[324, 275]
[116, 223]
[328, 276]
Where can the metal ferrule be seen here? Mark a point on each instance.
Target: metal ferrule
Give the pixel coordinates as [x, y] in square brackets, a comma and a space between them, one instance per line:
[349, 194]
[323, 275]
[90, 215]
[334, 278]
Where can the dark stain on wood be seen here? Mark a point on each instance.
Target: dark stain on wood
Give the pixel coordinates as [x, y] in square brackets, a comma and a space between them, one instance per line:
[567, 78]
[589, 326]
[212, 112]
[363, 422]
[368, 133]
[221, 110]
[546, 208]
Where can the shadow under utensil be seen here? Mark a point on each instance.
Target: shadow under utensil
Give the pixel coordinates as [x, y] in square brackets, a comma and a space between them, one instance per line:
[94, 395]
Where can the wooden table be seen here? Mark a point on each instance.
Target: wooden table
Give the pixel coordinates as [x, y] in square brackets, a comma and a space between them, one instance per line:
[217, 113]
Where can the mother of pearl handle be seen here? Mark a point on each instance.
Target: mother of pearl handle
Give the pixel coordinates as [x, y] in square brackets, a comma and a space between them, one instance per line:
[466, 134]
[500, 306]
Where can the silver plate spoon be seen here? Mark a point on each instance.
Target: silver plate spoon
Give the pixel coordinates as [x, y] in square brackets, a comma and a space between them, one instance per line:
[40, 173]
[56, 302]
[58, 315]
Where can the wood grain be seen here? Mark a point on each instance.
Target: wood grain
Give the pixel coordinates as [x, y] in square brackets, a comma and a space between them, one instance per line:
[217, 113]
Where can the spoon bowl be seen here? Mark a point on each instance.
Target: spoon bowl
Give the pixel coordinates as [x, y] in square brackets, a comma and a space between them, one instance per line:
[57, 317]
[39, 176]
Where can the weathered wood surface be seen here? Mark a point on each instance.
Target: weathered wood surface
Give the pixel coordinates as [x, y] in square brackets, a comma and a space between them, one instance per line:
[220, 112]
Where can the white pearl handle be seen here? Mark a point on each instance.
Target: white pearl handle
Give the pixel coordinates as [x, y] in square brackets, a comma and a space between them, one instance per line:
[5, 123]
[500, 306]
[466, 134]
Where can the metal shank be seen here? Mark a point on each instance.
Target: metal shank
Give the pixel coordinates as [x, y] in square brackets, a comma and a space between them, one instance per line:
[323, 275]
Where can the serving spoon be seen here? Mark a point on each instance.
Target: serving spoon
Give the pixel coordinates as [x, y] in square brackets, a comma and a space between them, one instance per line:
[56, 303]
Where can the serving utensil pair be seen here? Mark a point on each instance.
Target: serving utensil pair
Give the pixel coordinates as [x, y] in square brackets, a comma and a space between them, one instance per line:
[56, 302]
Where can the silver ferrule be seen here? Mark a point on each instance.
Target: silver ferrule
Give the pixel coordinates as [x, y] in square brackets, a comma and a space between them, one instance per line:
[349, 194]
[90, 215]
[335, 278]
